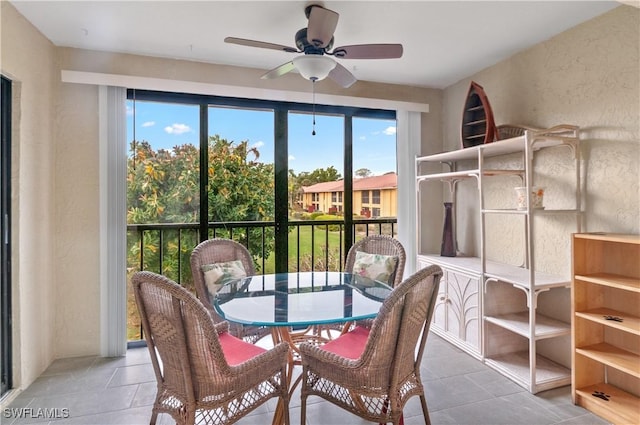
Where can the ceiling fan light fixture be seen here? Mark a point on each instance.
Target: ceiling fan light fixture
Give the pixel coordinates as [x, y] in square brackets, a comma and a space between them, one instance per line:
[314, 67]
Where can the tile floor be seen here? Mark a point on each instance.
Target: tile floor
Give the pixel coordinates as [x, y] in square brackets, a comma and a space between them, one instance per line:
[459, 389]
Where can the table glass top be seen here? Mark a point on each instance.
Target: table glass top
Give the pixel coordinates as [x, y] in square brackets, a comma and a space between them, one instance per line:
[300, 299]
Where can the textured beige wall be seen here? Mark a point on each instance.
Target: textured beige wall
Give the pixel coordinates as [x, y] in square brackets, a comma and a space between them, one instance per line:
[587, 76]
[33, 206]
[76, 238]
[181, 70]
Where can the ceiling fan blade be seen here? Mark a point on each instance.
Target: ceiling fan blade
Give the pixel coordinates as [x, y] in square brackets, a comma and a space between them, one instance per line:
[342, 76]
[261, 44]
[369, 51]
[322, 25]
[279, 71]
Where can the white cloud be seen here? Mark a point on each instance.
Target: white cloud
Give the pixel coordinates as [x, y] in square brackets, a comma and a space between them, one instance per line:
[292, 158]
[177, 129]
[129, 110]
[149, 124]
[362, 138]
[389, 131]
[258, 144]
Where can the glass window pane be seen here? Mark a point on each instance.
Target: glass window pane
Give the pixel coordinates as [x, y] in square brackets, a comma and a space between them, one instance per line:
[316, 165]
[375, 181]
[163, 186]
[375, 197]
[241, 173]
[163, 166]
[241, 178]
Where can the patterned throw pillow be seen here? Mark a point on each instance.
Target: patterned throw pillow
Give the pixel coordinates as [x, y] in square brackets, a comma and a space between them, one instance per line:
[217, 274]
[375, 266]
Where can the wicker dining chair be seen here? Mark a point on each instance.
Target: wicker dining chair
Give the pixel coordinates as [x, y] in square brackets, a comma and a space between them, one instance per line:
[381, 245]
[372, 372]
[217, 251]
[204, 374]
[372, 244]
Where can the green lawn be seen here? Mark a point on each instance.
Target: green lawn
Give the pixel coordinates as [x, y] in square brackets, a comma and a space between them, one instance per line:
[319, 238]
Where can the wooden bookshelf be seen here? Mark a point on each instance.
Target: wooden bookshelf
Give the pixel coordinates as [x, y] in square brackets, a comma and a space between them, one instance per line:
[606, 325]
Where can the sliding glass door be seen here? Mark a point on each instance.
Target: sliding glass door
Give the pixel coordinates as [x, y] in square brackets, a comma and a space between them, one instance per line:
[5, 234]
[316, 173]
[202, 167]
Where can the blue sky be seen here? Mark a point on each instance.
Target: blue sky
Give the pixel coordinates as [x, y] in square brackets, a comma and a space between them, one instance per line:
[166, 125]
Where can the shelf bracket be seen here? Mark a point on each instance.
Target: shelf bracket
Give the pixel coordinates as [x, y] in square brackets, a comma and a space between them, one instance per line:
[487, 280]
[452, 184]
[534, 298]
[450, 164]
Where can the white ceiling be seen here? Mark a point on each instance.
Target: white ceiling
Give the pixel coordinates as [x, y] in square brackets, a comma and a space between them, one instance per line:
[444, 41]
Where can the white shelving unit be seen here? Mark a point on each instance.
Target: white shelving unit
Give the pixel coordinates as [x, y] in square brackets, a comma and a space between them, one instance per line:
[488, 308]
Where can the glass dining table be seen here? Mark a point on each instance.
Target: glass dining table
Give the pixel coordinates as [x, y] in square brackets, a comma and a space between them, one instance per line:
[298, 300]
[297, 305]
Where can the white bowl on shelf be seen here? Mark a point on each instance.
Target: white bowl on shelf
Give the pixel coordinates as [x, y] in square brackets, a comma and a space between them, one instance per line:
[536, 197]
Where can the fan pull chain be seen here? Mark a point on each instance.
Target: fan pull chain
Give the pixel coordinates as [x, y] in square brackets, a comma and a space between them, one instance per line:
[313, 90]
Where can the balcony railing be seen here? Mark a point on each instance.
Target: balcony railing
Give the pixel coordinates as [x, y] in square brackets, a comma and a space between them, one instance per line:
[166, 248]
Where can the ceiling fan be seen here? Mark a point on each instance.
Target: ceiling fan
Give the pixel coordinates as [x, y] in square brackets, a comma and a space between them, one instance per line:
[316, 42]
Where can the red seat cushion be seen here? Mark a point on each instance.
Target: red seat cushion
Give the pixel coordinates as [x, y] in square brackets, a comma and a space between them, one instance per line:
[350, 345]
[237, 351]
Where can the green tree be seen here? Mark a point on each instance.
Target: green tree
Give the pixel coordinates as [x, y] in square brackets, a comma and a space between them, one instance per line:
[241, 189]
[362, 172]
[294, 188]
[163, 187]
[319, 175]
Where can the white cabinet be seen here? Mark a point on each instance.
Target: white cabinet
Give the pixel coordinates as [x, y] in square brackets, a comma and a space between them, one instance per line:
[513, 315]
[456, 316]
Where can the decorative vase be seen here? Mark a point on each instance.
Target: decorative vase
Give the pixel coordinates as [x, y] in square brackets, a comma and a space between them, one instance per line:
[448, 248]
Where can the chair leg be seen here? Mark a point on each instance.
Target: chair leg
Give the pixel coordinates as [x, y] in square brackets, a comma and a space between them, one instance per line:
[425, 410]
[191, 416]
[400, 421]
[154, 418]
[303, 410]
[287, 420]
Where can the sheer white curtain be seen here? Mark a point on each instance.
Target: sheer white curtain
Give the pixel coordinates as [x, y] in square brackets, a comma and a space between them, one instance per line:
[408, 140]
[113, 220]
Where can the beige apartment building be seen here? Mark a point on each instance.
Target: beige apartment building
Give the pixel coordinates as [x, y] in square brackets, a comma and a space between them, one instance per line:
[373, 197]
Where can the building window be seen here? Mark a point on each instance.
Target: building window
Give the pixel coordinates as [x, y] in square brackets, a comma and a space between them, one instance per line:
[365, 196]
[375, 197]
[375, 212]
